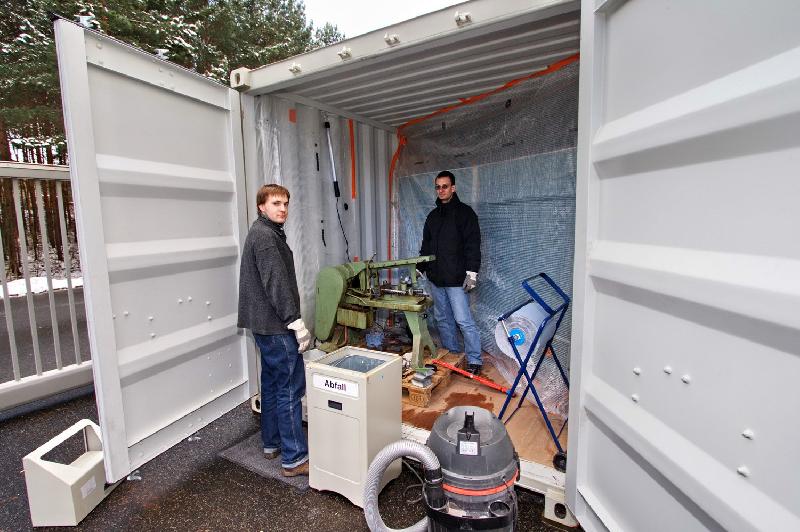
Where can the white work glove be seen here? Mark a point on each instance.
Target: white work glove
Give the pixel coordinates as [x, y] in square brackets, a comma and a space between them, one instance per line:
[470, 281]
[302, 335]
[420, 275]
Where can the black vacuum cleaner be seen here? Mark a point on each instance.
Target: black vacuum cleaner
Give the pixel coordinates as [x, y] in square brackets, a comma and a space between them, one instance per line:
[470, 469]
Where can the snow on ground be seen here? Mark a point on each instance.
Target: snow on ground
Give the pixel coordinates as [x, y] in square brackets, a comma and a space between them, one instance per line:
[38, 285]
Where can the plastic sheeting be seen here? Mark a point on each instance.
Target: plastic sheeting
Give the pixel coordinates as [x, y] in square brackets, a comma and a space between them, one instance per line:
[514, 157]
[292, 150]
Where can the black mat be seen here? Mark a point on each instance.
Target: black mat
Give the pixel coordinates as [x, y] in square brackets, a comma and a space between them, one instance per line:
[249, 453]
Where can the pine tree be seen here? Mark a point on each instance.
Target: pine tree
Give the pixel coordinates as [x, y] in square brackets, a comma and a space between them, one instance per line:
[211, 37]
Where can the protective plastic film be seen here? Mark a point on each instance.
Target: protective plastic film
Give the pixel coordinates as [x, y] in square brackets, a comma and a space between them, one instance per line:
[514, 157]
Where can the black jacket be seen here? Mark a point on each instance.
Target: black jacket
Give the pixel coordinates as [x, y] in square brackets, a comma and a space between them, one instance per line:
[268, 295]
[452, 234]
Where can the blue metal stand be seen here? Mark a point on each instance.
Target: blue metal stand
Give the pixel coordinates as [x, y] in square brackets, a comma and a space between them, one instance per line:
[543, 330]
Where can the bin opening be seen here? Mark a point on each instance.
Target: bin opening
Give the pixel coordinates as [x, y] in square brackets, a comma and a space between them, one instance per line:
[360, 363]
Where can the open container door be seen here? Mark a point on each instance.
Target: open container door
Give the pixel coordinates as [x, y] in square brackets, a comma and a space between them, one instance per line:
[157, 171]
[686, 330]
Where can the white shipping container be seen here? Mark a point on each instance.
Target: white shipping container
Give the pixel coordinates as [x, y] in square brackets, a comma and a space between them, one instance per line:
[687, 259]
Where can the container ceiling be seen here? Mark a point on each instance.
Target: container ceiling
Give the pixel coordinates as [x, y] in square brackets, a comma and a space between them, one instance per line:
[435, 62]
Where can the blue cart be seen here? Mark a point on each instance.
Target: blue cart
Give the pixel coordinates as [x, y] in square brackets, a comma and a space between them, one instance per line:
[544, 319]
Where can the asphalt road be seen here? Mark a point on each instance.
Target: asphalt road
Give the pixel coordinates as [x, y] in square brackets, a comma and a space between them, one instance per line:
[190, 487]
[24, 340]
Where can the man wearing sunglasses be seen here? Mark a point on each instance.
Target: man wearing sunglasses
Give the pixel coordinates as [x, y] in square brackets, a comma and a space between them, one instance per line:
[452, 234]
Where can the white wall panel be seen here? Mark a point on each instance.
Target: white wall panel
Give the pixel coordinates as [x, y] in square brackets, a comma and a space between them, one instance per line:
[687, 280]
[158, 174]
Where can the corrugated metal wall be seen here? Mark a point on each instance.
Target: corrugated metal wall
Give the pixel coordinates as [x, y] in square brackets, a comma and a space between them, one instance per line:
[292, 149]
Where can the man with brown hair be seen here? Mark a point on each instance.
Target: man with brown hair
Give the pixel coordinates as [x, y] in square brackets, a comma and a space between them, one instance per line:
[269, 305]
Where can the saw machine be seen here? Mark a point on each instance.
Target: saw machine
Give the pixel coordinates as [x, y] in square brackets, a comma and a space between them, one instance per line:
[350, 293]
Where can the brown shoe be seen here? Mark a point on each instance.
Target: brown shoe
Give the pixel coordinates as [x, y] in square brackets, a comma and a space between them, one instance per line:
[296, 471]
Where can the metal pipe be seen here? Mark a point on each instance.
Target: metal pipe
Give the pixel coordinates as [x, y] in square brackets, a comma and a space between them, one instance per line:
[9, 318]
[26, 270]
[333, 164]
[48, 271]
[68, 272]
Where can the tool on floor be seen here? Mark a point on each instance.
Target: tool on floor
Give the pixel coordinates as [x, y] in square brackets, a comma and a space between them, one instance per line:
[470, 467]
[533, 324]
[483, 380]
[423, 377]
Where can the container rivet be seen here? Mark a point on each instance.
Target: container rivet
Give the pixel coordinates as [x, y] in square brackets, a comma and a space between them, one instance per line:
[152, 335]
[749, 434]
[149, 318]
[208, 303]
[743, 470]
[635, 397]
[180, 300]
[113, 316]
[686, 379]
[125, 313]
[668, 370]
[209, 318]
[637, 371]
[189, 298]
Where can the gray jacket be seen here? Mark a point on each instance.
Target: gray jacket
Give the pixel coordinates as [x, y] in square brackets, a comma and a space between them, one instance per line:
[268, 295]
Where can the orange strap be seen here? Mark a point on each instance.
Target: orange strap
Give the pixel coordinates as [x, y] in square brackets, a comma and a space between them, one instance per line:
[479, 493]
[352, 160]
[401, 139]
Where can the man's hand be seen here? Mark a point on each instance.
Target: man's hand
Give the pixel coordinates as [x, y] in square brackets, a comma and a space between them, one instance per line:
[302, 335]
[470, 281]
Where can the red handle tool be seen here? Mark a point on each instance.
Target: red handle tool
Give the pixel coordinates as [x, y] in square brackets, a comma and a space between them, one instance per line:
[482, 380]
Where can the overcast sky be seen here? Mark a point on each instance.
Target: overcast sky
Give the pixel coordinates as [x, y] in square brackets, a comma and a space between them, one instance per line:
[356, 17]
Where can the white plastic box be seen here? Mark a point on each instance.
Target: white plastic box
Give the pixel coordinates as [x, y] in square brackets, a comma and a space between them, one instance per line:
[63, 494]
[353, 412]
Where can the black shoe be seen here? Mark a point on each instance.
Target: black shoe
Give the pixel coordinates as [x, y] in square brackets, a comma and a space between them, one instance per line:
[475, 369]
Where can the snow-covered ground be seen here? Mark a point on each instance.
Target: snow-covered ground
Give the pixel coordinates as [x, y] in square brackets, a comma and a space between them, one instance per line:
[38, 285]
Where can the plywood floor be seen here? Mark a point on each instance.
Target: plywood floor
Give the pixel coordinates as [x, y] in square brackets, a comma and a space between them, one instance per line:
[527, 428]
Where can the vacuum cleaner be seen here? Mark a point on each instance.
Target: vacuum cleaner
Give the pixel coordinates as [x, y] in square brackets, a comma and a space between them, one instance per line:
[470, 467]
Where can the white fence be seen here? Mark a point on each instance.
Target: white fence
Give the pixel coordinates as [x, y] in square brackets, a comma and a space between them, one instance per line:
[36, 370]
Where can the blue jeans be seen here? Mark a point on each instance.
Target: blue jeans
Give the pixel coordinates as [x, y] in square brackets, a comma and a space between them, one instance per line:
[451, 307]
[283, 383]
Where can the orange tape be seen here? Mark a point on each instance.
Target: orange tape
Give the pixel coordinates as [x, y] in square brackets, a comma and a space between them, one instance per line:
[352, 160]
[401, 139]
[479, 493]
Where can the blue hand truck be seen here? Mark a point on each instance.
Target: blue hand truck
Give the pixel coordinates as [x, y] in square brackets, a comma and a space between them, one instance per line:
[548, 318]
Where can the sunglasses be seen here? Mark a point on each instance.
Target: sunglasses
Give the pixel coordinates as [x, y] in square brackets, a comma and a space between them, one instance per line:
[441, 187]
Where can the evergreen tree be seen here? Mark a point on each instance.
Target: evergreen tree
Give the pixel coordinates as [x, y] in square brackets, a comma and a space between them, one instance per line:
[211, 37]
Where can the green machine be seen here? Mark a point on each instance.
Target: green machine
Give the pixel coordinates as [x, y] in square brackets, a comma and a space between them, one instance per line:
[350, 293]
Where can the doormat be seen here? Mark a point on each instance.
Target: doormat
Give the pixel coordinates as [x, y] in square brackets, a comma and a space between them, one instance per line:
[249, 453]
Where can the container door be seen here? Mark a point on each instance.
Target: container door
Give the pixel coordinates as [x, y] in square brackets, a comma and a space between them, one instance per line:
[687, 278]
[156, 166]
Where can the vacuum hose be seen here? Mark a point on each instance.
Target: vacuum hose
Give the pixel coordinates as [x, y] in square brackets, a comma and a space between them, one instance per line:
[433, 483]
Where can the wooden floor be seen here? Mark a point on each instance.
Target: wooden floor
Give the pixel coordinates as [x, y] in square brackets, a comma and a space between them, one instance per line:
[527, 428]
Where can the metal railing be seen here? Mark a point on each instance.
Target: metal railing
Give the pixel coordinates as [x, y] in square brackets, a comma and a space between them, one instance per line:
[38, 369]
